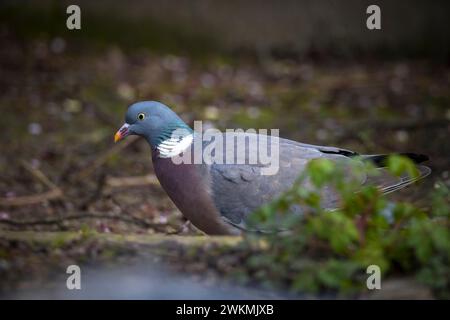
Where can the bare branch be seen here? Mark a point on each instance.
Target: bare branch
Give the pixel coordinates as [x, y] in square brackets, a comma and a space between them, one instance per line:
[54, 193]
[104, 157]
[149, 179]
[84, 215]
[33, 199]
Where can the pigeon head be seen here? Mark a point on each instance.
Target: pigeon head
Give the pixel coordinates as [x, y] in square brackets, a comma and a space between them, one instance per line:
[155, 122]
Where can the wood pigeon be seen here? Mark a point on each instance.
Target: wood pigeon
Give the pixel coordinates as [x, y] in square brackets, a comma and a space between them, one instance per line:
[218, 197]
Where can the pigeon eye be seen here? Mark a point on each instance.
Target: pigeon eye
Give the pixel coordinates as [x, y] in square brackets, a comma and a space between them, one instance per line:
[141, 116]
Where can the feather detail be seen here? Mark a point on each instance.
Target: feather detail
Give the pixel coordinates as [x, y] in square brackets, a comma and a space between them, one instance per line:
[174, 146]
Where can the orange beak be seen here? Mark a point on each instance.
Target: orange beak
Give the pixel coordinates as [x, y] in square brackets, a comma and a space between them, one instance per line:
[122, 132]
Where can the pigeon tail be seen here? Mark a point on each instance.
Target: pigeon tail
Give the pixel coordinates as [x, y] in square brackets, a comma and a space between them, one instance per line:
[387, 182]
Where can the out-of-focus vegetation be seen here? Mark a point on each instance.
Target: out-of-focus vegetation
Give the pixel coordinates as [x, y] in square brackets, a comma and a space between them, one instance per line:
[330, 250]
[64, 93]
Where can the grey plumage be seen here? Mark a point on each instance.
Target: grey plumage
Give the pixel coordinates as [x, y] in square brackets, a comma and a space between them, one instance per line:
[238, 190]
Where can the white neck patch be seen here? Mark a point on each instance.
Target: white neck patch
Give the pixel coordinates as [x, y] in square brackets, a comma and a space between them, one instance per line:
[174, 146]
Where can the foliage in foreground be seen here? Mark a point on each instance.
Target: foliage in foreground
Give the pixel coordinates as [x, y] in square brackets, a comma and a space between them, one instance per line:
[329, 251]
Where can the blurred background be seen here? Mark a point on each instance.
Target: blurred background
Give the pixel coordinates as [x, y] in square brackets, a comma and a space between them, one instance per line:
[310, 68]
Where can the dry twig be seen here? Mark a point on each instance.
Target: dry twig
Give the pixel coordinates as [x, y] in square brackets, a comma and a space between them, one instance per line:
[149, 179]
[54, 193]
[104, 157]
[84, 215]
